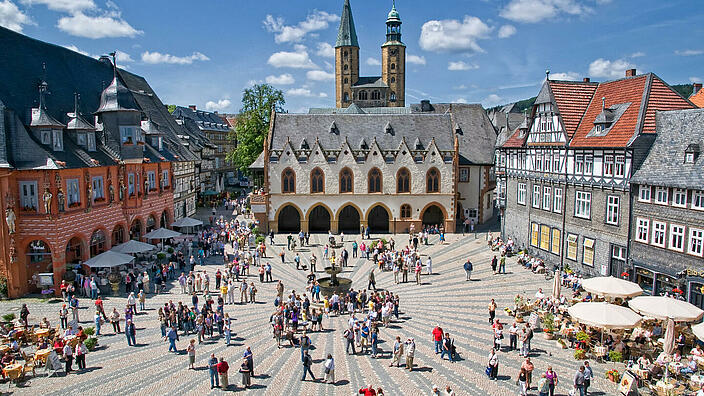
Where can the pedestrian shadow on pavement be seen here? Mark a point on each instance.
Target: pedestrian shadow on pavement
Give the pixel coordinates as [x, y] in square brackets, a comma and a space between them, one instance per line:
[423, 369]
[503, 377]
[340, 383]
[261, 376]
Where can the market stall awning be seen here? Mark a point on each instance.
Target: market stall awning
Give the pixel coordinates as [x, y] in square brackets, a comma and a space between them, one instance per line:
[187, 222]
[162, 233]
[609, 286]
[109, 259]
[661, 307]
[604, 315]
[133, 247]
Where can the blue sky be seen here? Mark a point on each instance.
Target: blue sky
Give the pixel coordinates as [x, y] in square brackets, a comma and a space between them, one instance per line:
[206, 52]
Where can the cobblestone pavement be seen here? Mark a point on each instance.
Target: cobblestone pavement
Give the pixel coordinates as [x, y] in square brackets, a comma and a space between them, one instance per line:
[444, 298]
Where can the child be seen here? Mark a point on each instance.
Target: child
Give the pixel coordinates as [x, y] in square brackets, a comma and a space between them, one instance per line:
[191, 354]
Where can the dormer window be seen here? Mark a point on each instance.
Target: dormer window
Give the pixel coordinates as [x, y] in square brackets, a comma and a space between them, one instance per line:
[90, 136]
[388, 129]
[81, 139]
[691, 153]
[57, 141]
[45, 136]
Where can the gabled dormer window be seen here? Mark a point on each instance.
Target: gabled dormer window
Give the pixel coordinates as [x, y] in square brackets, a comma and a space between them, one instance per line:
[45, 136]
[691, 153]
[57, 141]
[91, 141]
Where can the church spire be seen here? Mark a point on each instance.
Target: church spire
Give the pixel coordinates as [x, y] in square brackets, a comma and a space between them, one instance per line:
[393, 25]
[346, 35]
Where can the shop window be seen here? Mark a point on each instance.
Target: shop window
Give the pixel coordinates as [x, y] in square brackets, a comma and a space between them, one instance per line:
[534, 234]
[588, 252]
[544, 237]
[555, 247]
[572, 247]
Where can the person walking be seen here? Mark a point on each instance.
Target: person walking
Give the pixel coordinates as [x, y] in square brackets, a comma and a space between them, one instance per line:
[437, 338]
[529, 367]
[513, 337]
[492, 311]
[63, 316]
[191, 350]
[588, 375]
[172, 336]
[115, 320]
[142, 298]
[68, 357]
[329, 370]
[307, 363]
[419, 268]
[246, 374]
[130, 333]
[578, 381]
[213, 370]
[397, 352]
[80, 354]
[494, 264]
[222, 369]
[410, 353]
[349, 337]
[447, 348]
[468, 267]
[372, 280]
[552, 380]
[543, 387]
[493, 364]
[522, 377]
[429, 264]
[98, 321]
[502, 264]
[305, 344]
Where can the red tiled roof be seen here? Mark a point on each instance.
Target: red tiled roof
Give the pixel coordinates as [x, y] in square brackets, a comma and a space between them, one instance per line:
[698, 98]
[515, 140]
[572, 100]
[628, 90]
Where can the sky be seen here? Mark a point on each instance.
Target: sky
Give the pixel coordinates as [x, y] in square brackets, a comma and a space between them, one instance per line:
[492, 52]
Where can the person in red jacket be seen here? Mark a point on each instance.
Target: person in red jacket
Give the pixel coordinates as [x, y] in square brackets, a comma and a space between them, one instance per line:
[437, 337]
[222, 368]
[368, 391]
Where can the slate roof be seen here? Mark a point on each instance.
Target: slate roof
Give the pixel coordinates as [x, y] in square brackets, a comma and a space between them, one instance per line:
[646, 93]
[355, 127]
[346, 34]
[24, 64]
[258, 163]
[370, 82]
[205, 120]
[664, 164]
[366, 110]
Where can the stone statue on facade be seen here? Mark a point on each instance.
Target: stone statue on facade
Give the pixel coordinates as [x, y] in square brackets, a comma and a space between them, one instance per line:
[61, 199]
[111, 193]
[10, 219]
[46, 197]
[89, 195]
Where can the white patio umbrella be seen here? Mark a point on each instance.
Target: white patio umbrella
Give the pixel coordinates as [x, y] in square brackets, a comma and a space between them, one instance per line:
[604, 315]
[187, 222]
[557, 284]
[609, 286]
[661, 307]
[162, 233]
[134, 247]
[109, 259]
[698, 331]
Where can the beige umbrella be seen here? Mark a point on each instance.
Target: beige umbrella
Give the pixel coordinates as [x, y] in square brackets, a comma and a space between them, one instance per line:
[698, 331]
[604, 315]
[609, 286]
[660, 307]
[668, 344]
[557, 284]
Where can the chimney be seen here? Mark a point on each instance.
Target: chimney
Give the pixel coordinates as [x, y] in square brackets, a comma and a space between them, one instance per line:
[425, 105]
[696, 87]
[586, 79]
[630, 73]
[192, 107]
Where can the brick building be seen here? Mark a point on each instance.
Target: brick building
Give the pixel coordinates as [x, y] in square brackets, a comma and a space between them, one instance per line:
[667, 243]
[84, 163]
[564, 174]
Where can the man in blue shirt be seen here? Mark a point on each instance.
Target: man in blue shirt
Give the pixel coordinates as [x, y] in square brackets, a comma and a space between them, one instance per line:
[468, 269]
[172, 335]
[213, 368]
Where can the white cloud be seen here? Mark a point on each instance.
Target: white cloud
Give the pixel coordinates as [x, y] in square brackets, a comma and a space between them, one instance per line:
[322, 95]
[461, 65]
[492, 100]
[460, 87]
[109, 24]
[506, 31]
[695, 80]
[295, 60]
[284, 79]
[533, 11]
[76, 49]
[123, 57]
[69, 6]
[569, 76]
[319, 75]
[158, 57]
[318, 20]
[689, 52]
[325, 50]
[451, 35]
[220, 105]
[373, 62]
[609, 69]
[299, 92]
[415, 59]
[460, 100]
[328, 65]
[11, 17]
[637, 54]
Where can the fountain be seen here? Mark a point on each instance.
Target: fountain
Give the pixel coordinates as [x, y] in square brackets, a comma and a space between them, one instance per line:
[334, 284]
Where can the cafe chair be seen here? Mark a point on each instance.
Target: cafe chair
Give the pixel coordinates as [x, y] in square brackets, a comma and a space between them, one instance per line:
[29, 364]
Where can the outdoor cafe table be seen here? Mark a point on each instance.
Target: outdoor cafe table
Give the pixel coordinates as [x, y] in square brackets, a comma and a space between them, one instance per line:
[13, 371]
[4, 348]
[42, 332]
[42, 354]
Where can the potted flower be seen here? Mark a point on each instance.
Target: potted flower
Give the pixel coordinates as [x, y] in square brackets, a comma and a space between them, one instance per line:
[580, 354]
[613, 375]
[582, 339]
[549, 326]
[615, 356]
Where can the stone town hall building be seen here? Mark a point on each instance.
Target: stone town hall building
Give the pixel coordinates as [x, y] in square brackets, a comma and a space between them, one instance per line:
[372, 161]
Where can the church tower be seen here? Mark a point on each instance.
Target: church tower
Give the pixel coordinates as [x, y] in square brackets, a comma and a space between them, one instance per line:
[346, 58]
[393, 60]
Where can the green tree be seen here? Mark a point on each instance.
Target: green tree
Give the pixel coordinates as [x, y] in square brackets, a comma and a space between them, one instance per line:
[253, 123]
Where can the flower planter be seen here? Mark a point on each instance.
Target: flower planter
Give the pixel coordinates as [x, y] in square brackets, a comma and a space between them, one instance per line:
[548, 335]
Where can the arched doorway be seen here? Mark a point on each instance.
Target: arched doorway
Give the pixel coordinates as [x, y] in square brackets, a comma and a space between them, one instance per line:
[97, 243]
[74, 250]
[319, 219]
[151, 223]
[433, 216]
[118, 235]
[349, 220]
[38, 261]
[289, 219]
[136, 230]
[378, 219]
